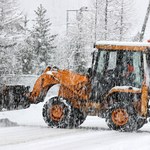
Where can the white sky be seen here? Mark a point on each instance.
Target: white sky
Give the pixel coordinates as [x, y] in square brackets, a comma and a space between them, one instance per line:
[56, 11]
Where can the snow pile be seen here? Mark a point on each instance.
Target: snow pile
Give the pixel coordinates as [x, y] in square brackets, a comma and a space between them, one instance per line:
[7, 123]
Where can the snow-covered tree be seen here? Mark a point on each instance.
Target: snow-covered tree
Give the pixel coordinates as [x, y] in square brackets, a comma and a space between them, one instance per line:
[123, 20]
[26, 56]
[114, 19]
[10, 35]
[42, 41]
[103, 10]
[80, 41]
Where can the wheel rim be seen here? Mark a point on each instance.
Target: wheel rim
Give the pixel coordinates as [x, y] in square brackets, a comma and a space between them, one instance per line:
[120, 117]
[56, 112]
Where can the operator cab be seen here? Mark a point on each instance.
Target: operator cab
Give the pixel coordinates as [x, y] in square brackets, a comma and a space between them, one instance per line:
[117, 64]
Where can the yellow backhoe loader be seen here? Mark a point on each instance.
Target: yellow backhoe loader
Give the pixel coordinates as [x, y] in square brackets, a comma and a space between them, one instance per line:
[116, 88]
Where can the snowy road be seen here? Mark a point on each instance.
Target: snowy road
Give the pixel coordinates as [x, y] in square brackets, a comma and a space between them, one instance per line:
[32, 133]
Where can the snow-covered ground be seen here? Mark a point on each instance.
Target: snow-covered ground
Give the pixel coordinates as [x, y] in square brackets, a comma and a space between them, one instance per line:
[31, 133]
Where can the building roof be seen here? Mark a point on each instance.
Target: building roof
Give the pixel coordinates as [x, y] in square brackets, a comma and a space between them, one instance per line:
[115, 45]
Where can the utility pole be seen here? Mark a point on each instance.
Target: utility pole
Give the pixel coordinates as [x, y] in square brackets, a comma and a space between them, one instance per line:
[145, 23]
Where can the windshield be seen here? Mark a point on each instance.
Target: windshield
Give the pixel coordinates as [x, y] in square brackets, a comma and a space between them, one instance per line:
[125, 68]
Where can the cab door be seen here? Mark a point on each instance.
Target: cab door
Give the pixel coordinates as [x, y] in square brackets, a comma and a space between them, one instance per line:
[104, 65]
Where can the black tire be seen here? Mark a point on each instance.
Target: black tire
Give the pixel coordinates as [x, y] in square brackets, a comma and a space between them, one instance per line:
[78, 117]
[65, 120]
[133, 123]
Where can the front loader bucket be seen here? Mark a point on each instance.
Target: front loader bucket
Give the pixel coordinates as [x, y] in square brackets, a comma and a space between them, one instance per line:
[13, 97]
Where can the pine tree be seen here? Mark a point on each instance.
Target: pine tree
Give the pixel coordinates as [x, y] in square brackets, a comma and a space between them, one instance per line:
[26, 56]
[42, 41]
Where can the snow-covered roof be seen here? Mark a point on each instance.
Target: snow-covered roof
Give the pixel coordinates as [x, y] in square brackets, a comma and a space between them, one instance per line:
[115, 45]
[123, 43]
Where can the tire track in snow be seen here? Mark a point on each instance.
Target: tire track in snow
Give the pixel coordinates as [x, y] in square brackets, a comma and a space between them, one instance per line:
[27, 133]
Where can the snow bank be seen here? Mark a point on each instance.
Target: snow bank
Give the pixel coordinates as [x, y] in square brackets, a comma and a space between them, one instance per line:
[7, 123]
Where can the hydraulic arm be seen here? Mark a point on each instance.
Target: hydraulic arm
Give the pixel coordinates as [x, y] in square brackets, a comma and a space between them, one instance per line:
[72, 86]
